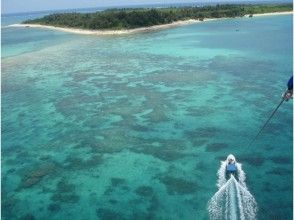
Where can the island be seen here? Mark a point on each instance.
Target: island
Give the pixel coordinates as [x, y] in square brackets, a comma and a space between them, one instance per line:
[132, 20]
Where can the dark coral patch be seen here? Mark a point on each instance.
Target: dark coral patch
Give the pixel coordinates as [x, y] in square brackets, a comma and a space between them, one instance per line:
[8, 205]
[268, 187]
[34, 176]
[116, 182]
[154, 205]
[11, 150]
[44, 157]
[74, 105]
[167, 153]
[12, 170]
[77, 163]
[79, 76]
[144, 191]
[53, 207]
[65, 192]
[108, 191]
[23, 155]
[125, 188]
[11, 87]
[30, 181]
[107, 214]
[140, 128]
[200, 111]
[178, 186]
[206, 132]
[28, 217]
[137, 214]
[220, 158]
[198, 142]
[280, 172]
[157, 115]
[200, 166]
[115, 140]
[108, 145]
[216, 147]
[275, 128]
[64, 187]
[281, 160]
[251, 159]
[65, 197]
[113, 201]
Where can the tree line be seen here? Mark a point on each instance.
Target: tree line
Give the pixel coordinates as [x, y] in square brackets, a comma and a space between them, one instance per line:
[135, 18]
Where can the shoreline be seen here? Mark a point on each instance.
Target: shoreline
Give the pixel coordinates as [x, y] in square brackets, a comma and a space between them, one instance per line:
[272, 13]
[136, 30]
[110, 32]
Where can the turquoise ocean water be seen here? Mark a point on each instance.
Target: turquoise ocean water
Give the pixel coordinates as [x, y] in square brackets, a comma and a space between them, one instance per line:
[135, 126]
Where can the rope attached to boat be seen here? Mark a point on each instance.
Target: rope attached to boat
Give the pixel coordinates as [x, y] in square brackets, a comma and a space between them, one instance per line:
[276, 109]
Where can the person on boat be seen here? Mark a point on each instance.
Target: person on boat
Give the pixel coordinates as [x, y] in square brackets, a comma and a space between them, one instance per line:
[289, 93]
[231, 167]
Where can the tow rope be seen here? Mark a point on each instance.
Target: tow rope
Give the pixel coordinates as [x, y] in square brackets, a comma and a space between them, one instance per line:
[276, 109]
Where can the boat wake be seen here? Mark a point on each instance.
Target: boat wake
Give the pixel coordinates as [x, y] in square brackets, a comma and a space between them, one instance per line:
[232, 201]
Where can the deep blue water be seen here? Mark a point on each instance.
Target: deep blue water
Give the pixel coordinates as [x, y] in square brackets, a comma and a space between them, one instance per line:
[134, 126]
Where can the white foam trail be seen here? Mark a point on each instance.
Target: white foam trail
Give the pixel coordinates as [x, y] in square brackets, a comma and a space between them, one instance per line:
[232, 201]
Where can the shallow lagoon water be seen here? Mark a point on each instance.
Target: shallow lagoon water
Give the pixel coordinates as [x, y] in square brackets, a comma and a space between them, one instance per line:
[135, 126]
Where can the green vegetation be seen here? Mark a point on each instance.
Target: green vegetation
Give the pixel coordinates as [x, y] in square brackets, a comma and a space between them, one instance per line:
[135, 18]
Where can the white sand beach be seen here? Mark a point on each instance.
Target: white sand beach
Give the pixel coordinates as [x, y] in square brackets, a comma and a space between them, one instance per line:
[111, 32]
[273, 13]
[136, 30]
